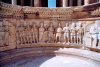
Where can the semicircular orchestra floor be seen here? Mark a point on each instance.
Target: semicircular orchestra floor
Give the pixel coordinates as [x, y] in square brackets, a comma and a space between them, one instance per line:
[52, 60]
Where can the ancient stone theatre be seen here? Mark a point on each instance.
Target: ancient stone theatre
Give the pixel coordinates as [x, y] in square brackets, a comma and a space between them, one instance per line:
[49, 33]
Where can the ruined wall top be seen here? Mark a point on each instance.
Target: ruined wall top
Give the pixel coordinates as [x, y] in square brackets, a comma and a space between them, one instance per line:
[89, 11]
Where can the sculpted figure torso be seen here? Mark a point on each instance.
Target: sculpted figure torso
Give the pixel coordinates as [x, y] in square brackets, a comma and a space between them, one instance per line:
[46, 34]
[41, 33]
[80, 33]
[58, 34]
[12, 37]
[73, 33]
[51, 33]
[66, 33]
[35, 33]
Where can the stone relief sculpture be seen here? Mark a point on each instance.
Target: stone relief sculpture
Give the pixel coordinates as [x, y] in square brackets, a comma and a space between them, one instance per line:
[73, 33]
[46, 34]
[80, 33]
[51, 33]
[6, 35]
[58, 33]
[66, 33]
[41, 32]
[29, 37]
[12, 33]
[35, 33]
[94, 34]
[30, 33]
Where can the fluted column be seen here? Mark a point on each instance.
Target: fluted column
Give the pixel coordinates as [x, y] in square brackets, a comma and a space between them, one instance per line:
[71, 2]
[64, 3]
[36, 3]
[22, 2]
[14, 2]
[79, 2]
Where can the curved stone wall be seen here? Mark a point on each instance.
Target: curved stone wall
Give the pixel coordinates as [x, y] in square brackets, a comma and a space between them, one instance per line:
[16, 23]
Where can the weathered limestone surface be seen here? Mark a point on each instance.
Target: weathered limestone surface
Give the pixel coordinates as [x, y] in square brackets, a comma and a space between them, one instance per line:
[16, 27]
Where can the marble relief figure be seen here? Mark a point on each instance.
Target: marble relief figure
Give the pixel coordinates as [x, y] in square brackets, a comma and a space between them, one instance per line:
[80, 33]
[41, 32]
[94, 35]
[59, 33]
[35, 33]
[73, 33]
[51, 33]
[46, 34]
[66, 33]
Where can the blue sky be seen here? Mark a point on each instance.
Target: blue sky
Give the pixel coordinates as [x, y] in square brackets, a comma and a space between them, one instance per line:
[51, 3]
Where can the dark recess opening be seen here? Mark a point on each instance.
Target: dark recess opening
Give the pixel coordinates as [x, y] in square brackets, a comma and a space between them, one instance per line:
[18, 2]
[26, 2]
[74, 2]
[82, 2]
[44, 3]
[58, 3]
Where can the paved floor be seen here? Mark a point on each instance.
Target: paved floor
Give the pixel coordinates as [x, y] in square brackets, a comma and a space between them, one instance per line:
[51, 61]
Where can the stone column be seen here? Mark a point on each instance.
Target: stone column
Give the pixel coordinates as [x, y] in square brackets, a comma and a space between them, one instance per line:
[14, 2]
[31, 2]
[64, 3]
[71, 2]
[22, 2]
[86, 2]
[79, 2]
[36, 3]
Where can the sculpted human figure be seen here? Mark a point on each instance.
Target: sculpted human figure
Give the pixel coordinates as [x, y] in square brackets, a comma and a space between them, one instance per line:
[73, 33]
[66, 33]
[41, 32]
[35, 33]
[12, 34]
[58, 34]
[51, 33]
[46, 35]
[93, 35]
[80, 33]
[29, 34]
[6, 36]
